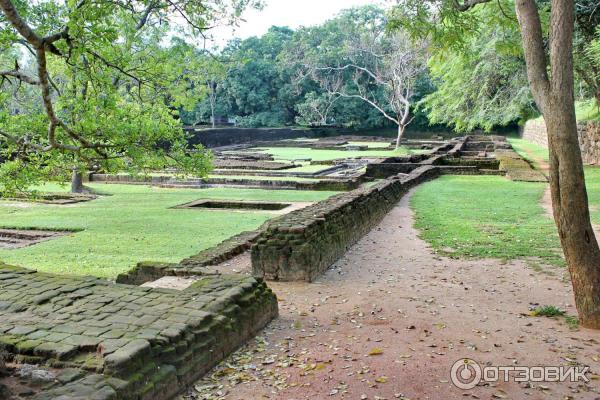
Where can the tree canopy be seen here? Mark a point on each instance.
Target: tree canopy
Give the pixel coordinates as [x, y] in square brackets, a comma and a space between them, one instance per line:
[96, 84]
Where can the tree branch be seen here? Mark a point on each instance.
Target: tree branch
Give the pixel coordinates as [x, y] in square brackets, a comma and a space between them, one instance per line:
[468, 4]
[20, 76]
[533, 47]
[372, 103]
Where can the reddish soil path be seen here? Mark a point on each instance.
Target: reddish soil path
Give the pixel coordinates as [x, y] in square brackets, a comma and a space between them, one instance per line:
[416, 313]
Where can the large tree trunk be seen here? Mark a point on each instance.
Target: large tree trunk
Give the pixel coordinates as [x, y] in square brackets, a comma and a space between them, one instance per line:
[554, 95]
[571, 212]
[77, 182]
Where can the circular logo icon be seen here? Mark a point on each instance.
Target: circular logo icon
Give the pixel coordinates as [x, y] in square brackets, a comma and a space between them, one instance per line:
[465, 374]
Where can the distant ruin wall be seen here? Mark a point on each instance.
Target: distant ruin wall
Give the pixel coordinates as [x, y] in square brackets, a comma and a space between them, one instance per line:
[588, 132]
[535, 131]
[303, 244]
[219, 137]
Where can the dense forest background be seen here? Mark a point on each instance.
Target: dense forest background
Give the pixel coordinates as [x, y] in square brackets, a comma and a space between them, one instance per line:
[267, 81]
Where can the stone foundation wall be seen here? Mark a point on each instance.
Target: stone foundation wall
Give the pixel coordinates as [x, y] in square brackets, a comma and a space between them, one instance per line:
[126, 342]
[588, 132]
[589, 140]
[219, 137]
[404, 165]
[193, 266]
[171, 182]
[303, 244]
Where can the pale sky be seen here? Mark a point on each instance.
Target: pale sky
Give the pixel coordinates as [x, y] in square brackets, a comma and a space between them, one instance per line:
[292, 13]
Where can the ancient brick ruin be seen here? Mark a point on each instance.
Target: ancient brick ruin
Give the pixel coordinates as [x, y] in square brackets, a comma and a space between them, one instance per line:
[112, 341]
[588, 133]
[104, 340]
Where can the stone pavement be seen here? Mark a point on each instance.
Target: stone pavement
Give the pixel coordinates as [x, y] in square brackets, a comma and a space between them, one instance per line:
[117, 341]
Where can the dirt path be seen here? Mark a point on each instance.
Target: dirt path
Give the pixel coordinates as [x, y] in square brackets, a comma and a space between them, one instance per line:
[391, 318]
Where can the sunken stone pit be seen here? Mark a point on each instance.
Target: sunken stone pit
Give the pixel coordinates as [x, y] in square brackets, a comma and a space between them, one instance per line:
[235, 205]
[18, 238]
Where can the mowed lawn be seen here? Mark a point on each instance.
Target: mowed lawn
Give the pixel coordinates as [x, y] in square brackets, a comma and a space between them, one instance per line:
[486, 216]
[300, 153]
[131, 224]
[534, 153]
[490, 216]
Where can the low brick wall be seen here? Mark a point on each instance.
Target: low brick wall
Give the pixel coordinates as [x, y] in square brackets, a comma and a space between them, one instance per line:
[148, 271]
[126, 342]
[303, 244]
[588, 132]
[404, 165]
[169, 181]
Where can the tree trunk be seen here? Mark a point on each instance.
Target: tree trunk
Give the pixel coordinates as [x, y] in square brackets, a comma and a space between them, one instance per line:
[571, 212]
[213, 100]
[77, 182]
[400, 134]
[555, 96]
[212, 110]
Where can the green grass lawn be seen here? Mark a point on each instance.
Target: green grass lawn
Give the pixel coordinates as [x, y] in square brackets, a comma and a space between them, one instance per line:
[534, 153]
[486, 216]
[495, 217]
[585, 110]
[530, 151]
[294, 153]
[134, 223]
[592, 183]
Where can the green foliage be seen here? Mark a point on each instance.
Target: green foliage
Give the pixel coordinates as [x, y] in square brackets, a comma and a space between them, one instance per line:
[114, 87]
[587, 47]
[594, 48]
[572, 322]
[315, 109]
[266, 83]
[258, 89]
[476, 66]
[132, 223]
[482, 86]
[547, 311]
[587, 110]
[272, 118]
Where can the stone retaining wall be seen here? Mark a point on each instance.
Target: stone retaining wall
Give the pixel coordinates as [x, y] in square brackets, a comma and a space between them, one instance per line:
[193, 266]
[171, 182]
[125, 342]
[588, 132]
[220, 137]
[404, 165]
[303, 244]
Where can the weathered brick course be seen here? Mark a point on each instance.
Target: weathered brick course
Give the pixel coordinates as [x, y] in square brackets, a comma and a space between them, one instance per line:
[127, 342]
